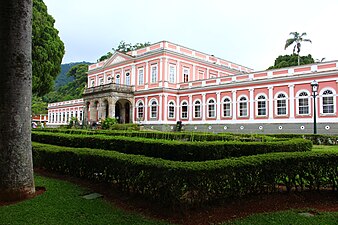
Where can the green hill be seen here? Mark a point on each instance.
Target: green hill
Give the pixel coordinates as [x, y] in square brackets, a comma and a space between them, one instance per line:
[62, 78]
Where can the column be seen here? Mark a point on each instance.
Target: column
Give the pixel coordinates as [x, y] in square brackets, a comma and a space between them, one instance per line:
[133, 75]
[292, 101]
[190, 107]
[178, 72]
[165, 76]
[218, 105]
[251, 103]
[160, 108]
[194, 72]
[203, 105]
[165, 107]
[146, 73]
[177, 108]
[270, 88]
[146, 108]
[160, 72]
[234, 105]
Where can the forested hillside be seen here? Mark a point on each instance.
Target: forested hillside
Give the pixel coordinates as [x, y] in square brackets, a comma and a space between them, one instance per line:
[62, 78]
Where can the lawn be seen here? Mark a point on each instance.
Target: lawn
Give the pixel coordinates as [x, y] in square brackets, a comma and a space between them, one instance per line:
[62, 203]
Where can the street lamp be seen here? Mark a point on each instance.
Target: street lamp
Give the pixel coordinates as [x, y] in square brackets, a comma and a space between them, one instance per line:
[314, 85]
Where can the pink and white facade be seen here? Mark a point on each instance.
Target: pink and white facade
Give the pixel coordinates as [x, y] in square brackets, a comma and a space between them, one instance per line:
[165, 83]
[60, 113]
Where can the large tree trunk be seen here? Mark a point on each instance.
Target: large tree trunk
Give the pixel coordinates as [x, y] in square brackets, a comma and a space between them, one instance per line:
[16, 166]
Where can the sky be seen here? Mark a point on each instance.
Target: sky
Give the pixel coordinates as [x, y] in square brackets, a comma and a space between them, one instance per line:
[251, 33]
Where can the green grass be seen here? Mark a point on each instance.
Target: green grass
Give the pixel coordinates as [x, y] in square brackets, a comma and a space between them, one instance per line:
[291, 217]
[62, 204]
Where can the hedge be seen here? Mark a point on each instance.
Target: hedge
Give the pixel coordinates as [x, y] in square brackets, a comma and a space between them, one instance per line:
[171, 150]
[193, 183]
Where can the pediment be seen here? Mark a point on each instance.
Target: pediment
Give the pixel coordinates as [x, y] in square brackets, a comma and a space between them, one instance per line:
[116, 58]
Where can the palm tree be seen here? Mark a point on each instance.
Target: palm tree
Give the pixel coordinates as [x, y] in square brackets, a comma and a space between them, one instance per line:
[16, 165]
[296, 39]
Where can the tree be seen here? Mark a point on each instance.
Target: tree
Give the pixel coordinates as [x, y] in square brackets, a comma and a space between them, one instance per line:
[16, 167]
[296, 39]
[47, 49]
[124, 47]
[38, 106]
[283, 61]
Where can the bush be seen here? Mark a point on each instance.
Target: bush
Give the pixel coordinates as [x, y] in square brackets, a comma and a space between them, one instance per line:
[172, 150]
[193, 183]
[108, 123]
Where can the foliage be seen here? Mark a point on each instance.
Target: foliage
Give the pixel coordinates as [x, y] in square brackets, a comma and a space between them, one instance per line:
[47, 49]
[296, 39]
[124, 47]
[61, 204]
[38, 106]
[74, 88]
[63, 78]
[177, 183]
[73, 123]
[172, 150]
[108, 123]
[283, 61]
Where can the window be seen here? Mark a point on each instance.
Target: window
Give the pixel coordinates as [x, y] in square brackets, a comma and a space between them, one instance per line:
[171, 110]
[153, 109]
[140, 110]
[127, 78]
[226, 107]
[211, 108]
[117, 80]
[92, 83]
[184, 112]
[303, 103]
[243, 106]
[200, 74]
[154, 74]
[140, 76]
[261, 105]
[281, 104]
[197, 109]
[185, 75]
[101, 81]
[172, 73]
[327, 100]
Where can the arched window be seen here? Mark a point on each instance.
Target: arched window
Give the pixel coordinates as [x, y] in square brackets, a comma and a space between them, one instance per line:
[303, 103]
[140, 110]
[117, 79]
[281, 104]
[243, 106]
[197, 109]
[184, 111]
[226, 107]
[327, 102]
[171, 110]
[153, 109]
[127, 78]
[261, 105]
[211, 108]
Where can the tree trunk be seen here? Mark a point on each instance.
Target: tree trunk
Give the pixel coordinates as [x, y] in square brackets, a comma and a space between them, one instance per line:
[298, 60]
[16, 166]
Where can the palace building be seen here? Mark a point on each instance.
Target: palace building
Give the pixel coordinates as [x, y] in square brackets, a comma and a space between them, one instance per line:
[164, 83]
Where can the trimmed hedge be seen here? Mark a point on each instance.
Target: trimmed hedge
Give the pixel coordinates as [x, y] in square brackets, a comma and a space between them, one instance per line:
[171, 150]
[193, 183]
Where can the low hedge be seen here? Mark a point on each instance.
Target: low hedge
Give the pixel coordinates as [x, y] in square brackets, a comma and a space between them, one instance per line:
[171, 150]
[193, 183]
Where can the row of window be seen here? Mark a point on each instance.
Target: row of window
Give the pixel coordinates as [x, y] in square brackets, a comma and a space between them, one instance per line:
[64, 116]
[281, 104]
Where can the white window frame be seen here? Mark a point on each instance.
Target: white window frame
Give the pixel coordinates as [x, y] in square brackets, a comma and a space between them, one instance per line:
[154, 73]
[298, 97]
[200, 108]
[117, 78]
[152, 107]
[127, 78]
[240, 102]
[211, 112]
[172, 73]
[186, 73]
[101, 81]
[258, 101]
[321, 96]
[171, 106]
[223, 106]
[140, 76]
[286, 103]
[92, 82]
[139, 112]
[184, 114]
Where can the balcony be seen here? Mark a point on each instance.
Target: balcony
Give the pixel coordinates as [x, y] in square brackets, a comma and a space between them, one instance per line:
[112, 87]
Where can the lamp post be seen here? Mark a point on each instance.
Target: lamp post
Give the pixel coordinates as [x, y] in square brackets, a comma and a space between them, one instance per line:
[314, 85]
